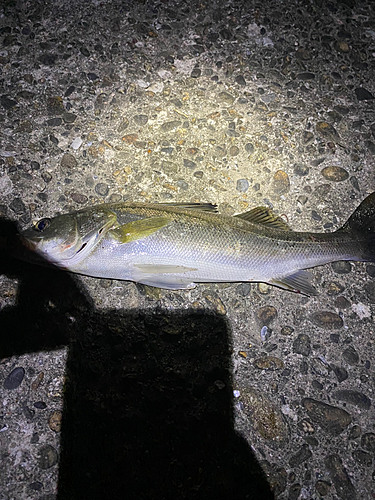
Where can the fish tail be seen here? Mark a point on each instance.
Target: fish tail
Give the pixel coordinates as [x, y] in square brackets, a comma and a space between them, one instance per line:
[361, 226]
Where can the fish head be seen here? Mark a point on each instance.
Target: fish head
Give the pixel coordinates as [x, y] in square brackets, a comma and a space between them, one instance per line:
[66, 239]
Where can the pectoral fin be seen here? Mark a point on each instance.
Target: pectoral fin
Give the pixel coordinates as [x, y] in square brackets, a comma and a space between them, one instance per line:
[163, 268]
[139, 229]
[297, 282]
[163, 276]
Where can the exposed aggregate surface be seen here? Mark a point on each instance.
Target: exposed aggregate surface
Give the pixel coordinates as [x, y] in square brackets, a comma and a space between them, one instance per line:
[110, 389]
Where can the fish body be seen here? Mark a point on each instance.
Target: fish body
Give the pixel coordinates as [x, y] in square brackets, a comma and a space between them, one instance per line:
[176, 246]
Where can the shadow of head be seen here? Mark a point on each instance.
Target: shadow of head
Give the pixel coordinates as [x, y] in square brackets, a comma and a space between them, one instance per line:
[148, 410]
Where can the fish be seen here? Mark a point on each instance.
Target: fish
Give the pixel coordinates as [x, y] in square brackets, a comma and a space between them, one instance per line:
[175, 246]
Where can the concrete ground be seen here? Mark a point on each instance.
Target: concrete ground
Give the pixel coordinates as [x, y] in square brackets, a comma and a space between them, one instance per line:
[111, 389]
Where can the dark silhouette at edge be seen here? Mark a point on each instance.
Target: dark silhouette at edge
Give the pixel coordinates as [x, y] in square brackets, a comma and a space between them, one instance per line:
[148, 396]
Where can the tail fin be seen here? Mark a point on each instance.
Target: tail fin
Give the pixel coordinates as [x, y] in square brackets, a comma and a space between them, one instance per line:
[361, 224]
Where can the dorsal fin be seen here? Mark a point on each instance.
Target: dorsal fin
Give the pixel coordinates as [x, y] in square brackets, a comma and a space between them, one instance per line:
[203, 207]
[265, 216]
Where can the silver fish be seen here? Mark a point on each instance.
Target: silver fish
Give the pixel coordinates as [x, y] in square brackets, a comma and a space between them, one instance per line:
[175, 246]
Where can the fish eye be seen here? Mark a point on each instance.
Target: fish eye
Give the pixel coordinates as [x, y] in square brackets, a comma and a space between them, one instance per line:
[42, 224]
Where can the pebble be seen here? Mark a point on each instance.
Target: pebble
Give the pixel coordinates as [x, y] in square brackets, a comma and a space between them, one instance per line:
[315, 216]
[92, 76]
[287, 330]
[76, 143]
[40, 405]
[34, 165]
[17, 206]
[85, 52]
[305, 76]
[327, 320]
[294, 491]
[69, 117]
[340, 478]
[123, 125]
[189, 163]
[340, 372]
[362, 457]
[240, 80]
[69, 91]
[242, 185]
[43, 197]
[266, 315]
[37, 381]
[322, 487]
[302, 199]
[307, 137]
[302, 345]
[46, 176]
[370, 291]
[6, 102]
[355, 398]
[306, 426]
[233, 151]
[130, 138]
[368, 442]
[79, 198]
[300, 169]
[303, 454]
[249, 148]
[226, 98]
[322, 191]
[140, 119]
[196, 73]
[327, 131]
[28, 412]
[331, 419]
[370, 146]
[266, 417]
[102, 189]
[47, 59]
[264, 288]
[169, 126]
[54, 122]
[354, 432]
[14, 379]
[24, 127]
[341, 267]
[370, 270]
[271, 363]
[36, 486]
[243, 289]
[320, 367]
[6, 185]
[335, 288]
[363, 94]
[47, 457]
[54, 421]
[351, 356]
[334, 173]
[68, 161]
[342, 302]
[280, 183]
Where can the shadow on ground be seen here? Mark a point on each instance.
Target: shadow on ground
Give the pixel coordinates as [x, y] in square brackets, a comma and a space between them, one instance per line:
[148, 396]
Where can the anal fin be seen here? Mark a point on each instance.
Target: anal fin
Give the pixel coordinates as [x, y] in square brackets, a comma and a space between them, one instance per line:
[297, 282]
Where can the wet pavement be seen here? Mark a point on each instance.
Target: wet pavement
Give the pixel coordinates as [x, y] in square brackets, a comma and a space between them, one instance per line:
[110, 389]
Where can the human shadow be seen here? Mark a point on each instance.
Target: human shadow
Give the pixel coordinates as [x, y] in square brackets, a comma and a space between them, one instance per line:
[148, 410]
